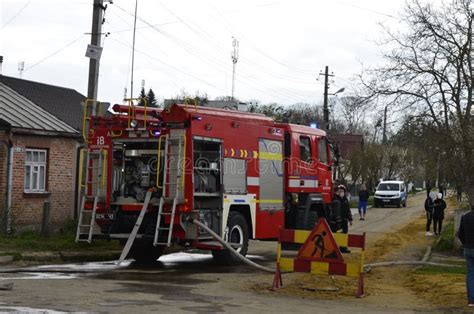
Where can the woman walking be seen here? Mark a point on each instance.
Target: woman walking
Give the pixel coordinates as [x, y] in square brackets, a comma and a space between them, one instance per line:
[363, 200]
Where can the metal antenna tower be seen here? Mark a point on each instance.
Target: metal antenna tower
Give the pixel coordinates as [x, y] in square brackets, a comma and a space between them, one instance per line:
[21, 68]
[235, 57]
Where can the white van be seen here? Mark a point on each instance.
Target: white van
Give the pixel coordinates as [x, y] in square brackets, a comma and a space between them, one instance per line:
[391, 193]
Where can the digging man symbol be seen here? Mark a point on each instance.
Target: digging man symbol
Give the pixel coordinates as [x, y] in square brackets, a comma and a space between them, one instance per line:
[319, 246]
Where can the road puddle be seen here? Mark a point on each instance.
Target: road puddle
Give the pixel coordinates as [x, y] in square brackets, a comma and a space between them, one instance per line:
[23, 309]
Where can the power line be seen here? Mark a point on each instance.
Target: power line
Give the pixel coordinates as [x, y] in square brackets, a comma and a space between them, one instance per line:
[166, 64]
[54, 53]
[367, 9]
[216, 64]
[16, 15]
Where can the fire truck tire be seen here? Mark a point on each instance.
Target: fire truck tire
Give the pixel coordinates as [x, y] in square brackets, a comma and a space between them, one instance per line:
[146, 253]
[238, 233]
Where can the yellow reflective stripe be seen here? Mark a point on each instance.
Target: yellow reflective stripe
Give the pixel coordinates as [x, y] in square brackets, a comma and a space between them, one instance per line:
[287, 264]
[362, 260]
[319, 268]
[226, 201]
[271, 156]
[352, 270]
[255, 154]
[270, 201]
[278, 252]
[342, 239]
[301, 235]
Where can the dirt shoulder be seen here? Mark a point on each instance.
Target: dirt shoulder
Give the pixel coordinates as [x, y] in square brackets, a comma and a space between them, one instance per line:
[389, 288]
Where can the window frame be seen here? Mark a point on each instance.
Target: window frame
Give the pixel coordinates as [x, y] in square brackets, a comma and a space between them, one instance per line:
[30, 171]
[323, 142]
[300, 142]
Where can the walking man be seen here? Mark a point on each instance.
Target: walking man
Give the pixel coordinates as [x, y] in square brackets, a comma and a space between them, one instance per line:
[466, 235]
[363, 200]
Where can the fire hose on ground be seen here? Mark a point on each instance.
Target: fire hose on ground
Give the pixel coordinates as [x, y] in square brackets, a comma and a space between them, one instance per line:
[367, 267]
[231, 249]
[247, 261]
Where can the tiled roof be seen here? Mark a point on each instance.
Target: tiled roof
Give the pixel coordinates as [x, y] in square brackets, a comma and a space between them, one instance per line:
[64, 103]
[20, 114]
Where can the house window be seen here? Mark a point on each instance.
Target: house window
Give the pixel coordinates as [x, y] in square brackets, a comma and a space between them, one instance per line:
[35, 170]
[305, 149]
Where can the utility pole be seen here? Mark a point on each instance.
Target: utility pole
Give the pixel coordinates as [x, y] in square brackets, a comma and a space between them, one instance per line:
[384, 130]
[96, 34]
[235, 57]
[326, 95]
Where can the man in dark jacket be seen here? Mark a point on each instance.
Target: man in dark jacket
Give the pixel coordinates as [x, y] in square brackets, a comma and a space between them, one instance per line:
[342, 202]
[429, 207]
[466, 235]
[439, 205]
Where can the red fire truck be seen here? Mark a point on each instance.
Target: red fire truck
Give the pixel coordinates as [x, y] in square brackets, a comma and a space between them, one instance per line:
[241, 174]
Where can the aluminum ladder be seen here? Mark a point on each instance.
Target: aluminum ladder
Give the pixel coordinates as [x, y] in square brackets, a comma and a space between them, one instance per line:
[86, 221]
[171, 187]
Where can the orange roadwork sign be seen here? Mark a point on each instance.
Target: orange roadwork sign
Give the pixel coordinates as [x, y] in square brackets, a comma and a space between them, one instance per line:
[321, 245]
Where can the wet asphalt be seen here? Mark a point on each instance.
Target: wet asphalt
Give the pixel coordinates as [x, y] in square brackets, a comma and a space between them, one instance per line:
[180, 282]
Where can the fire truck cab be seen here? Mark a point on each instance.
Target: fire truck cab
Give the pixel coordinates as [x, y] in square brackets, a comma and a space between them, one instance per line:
[242, 174]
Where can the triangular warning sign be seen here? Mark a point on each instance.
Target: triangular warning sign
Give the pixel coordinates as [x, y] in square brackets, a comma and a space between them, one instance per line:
[321, 245]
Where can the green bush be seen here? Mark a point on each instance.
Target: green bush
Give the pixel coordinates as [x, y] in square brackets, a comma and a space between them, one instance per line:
[446, 240]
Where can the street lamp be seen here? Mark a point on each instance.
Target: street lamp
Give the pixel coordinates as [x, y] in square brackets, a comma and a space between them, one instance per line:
[325, 105]
[340, 90]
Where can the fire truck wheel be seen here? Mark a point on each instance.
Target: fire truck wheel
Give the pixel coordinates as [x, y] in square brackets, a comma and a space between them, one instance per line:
[238, 233]
[146, 253]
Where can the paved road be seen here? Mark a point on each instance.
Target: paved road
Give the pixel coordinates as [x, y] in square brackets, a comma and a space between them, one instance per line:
[189, 282]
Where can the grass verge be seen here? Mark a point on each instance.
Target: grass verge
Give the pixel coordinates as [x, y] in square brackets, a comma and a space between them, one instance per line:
[61, 241]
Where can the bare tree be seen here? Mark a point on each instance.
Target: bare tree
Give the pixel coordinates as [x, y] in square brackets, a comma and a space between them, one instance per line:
[429, 71]
[353, 113]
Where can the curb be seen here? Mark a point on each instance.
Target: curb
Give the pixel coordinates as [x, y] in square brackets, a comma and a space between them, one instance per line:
[48, 256]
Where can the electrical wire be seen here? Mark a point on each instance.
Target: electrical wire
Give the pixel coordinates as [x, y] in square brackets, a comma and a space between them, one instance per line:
[54, 53]
[367, 10]
[15, 15]
[206, 36]
[215, 63]
[166, 64]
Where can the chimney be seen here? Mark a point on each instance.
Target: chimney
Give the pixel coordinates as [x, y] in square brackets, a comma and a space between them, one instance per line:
[1, 65]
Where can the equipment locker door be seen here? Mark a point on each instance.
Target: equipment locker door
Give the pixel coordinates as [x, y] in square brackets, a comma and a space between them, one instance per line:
[271, 174]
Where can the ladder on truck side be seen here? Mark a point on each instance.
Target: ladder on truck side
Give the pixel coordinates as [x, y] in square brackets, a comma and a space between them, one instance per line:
[173, 183]
[94, 177]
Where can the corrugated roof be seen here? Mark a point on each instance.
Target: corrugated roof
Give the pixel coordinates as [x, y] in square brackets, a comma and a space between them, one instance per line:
[20, 113]
[64, 103]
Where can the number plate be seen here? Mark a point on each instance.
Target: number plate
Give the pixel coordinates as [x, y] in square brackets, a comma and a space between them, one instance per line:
[105, 216]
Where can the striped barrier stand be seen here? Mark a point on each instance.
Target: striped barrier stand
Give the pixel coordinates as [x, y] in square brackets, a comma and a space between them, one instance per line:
[322, 266]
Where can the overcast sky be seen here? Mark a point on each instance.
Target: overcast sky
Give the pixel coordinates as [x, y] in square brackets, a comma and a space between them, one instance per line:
[186, 45]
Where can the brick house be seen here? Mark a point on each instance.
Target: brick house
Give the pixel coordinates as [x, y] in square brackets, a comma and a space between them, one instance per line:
[40, 138]
[346, 144]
